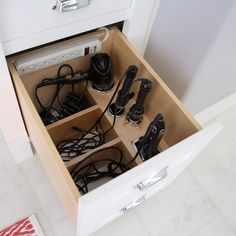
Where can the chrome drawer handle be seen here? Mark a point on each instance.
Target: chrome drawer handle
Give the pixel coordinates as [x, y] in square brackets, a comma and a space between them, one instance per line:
[162, 174]
[134, 204]
[70, 5]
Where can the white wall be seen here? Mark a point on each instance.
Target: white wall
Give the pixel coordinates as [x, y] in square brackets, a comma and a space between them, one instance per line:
[188, 45]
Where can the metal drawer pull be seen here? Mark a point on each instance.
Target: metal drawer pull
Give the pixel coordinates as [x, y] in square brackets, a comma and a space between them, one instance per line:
[134, 204]
[70, 5]
[162, 174]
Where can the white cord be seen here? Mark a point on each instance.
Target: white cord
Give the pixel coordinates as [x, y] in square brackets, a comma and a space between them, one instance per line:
[107, 33]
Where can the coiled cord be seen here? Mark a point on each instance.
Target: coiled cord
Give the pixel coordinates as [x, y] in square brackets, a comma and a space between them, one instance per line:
[56, 109]
[84, 173]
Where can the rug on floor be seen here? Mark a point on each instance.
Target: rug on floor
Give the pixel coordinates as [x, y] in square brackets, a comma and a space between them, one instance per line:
[27, 227]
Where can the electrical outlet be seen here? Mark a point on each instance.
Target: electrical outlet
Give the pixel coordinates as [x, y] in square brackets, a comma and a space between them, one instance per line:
[58, 55]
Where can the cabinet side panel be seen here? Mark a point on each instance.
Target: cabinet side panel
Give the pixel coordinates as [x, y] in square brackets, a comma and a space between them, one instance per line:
[46, 150]
[11, 123]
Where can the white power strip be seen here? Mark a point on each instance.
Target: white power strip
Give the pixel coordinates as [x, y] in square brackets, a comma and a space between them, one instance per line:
[58, 54]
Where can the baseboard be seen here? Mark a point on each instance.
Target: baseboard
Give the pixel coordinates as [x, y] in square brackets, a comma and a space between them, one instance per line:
[216, 109]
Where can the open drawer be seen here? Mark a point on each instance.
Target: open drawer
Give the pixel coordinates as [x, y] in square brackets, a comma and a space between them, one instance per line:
[182, 140]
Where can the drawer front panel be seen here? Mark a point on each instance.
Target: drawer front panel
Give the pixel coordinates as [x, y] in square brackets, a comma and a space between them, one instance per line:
[133, 188]
[46, 25]
[46, 150]
[13, 14]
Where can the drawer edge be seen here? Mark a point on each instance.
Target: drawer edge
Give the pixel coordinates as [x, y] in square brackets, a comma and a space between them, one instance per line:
[160, 81]
[48, 155]
[47, 36]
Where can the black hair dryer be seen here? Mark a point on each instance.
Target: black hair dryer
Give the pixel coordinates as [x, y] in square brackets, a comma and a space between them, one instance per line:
[100, 72]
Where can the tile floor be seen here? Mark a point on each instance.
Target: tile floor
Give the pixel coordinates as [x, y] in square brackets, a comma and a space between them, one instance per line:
[200, 202]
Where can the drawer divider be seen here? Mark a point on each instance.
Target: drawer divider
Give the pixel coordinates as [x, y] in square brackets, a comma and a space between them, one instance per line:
[69, 118]
[78, 159]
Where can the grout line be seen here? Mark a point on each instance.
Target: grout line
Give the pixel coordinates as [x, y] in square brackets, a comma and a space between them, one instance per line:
[226, 108]
[217, 118]
[35, 195]
[141, 223]
[230, 135]
[39, 206]
[207, 197]
[211, 200]
[207, 222]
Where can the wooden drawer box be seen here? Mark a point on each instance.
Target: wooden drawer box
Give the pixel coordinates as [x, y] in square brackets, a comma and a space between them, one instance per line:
[108, 201]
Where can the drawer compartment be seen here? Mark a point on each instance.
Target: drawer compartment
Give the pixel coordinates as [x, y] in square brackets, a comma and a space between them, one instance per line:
[68, 133]
[114, 152]
[179, 125]
[64, 101]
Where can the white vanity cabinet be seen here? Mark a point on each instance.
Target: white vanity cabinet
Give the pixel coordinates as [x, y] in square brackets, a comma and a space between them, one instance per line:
[26, 24]
[183, 140]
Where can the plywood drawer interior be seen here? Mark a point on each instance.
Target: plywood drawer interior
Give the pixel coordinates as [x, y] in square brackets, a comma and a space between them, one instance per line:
[179, 123]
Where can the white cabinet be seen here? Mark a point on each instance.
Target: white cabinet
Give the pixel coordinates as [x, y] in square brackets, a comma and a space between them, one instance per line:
[133, 188]
[35, 23]
[182, 142]
[25, 24]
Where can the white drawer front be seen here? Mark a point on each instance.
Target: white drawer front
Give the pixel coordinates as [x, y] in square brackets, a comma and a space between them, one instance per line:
[131, 189]
[24, 18]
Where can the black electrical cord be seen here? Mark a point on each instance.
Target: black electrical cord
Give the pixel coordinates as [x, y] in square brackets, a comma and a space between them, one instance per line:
[69, 149]
[134, 158]
[65, 66]
[84, 173]
[91, 138]
[50, 113]
[88, 140]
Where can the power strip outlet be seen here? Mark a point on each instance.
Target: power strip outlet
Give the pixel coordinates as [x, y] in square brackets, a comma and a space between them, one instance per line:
[58, 55]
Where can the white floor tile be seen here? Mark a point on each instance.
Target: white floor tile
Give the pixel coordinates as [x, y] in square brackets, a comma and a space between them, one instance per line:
[215, 171]
[228, 119]
[190, 206]
[178, 210]
[43, 190]
[44, 223]
[7, 167]
[1, 138]
[216, 227]
[127, 224]
[64, 228]
[16, 200]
